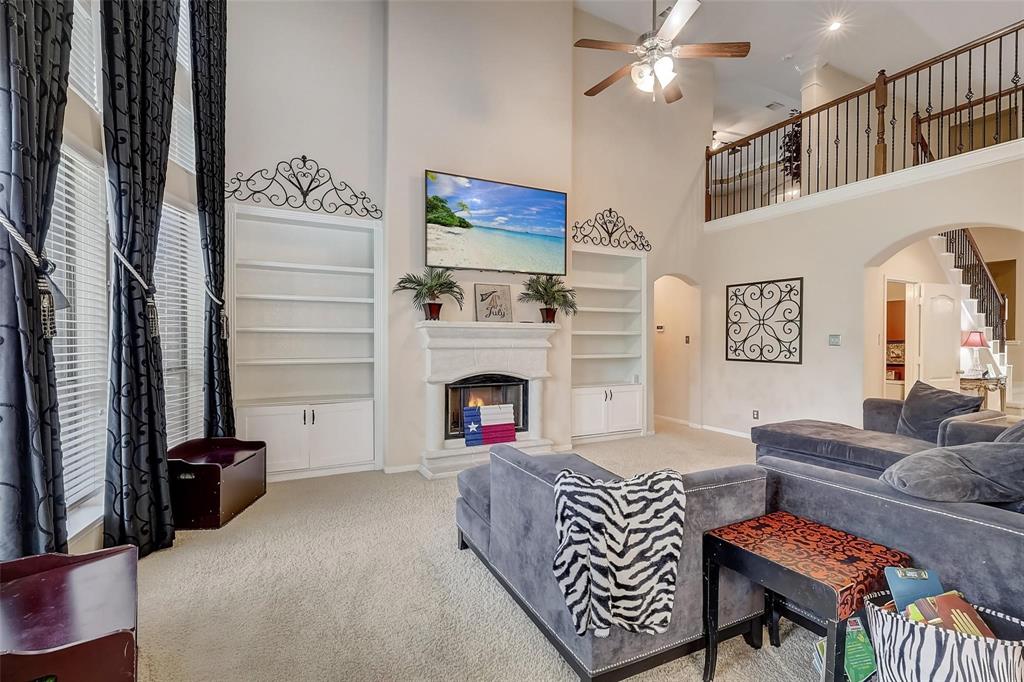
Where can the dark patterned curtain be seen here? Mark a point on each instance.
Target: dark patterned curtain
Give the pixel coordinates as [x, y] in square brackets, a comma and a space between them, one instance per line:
[35, 42]
[140, 38]
[209, 52]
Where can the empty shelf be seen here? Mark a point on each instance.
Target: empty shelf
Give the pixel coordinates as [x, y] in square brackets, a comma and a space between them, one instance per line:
[304, 330]
[606, 356]
[303, 299]
[303, 267]
[629, 311]
[306, 361]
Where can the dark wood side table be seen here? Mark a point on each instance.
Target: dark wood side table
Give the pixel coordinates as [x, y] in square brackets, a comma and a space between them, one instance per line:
[825, 571]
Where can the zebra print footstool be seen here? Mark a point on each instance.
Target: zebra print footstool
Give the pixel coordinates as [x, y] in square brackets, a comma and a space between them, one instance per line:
[823, 575]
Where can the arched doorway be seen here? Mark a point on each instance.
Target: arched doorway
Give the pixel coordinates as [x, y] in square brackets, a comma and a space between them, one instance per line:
[676, 356]
[908, 286]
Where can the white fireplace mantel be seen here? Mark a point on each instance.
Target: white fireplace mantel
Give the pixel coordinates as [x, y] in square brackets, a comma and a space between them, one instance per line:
[455, 350]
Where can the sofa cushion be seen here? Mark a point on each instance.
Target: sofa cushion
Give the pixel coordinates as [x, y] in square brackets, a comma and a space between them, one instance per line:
[989, 473]
[1014, 434]
[838, 442]
[475, 488]
[926, 407]
[475, 483]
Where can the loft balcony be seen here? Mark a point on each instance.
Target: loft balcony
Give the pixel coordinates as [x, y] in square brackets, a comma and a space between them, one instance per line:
[968, 98]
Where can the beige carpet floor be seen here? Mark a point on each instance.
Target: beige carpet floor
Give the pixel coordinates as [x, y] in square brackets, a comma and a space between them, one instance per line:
[356, 577]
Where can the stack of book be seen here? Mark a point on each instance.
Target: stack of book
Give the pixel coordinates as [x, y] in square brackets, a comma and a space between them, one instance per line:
[859, 663]
[918, 595]
[489, 424]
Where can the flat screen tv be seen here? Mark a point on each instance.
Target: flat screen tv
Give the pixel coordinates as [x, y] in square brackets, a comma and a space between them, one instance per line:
[475, 224]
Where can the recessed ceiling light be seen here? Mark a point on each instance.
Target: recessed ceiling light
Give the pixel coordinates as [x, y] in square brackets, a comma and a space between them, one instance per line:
[835, 26]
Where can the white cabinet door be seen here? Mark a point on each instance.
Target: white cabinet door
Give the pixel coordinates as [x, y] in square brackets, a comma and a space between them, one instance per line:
[625, 408]
[281, 427]
[588, 411]
[340, 433]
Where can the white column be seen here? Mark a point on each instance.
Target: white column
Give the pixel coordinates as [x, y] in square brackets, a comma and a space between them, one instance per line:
[536, 408]
[434, 408]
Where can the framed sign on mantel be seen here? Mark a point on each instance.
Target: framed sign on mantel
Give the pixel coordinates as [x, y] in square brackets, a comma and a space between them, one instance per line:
[493, 302]
[764, 321]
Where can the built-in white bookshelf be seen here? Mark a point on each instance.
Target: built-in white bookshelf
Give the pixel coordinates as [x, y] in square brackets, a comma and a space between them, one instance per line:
[608, 342]
[304, 306]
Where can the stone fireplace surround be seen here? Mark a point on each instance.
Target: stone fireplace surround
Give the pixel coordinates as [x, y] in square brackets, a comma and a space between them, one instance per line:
[455, 350]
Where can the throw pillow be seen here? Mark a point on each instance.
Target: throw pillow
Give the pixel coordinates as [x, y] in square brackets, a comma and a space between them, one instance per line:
[990, 473]
[1014, 434]
[926, 407]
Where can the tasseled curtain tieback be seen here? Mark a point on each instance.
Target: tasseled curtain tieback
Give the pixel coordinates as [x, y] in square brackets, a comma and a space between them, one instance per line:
[44, 268]
[152, 317]
[220, 304]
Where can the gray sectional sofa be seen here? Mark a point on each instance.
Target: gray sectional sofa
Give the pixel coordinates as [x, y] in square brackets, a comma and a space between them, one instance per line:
[506, 514]
[868, 451]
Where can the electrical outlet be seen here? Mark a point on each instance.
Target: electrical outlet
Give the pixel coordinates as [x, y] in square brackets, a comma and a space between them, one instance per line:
[757, 414]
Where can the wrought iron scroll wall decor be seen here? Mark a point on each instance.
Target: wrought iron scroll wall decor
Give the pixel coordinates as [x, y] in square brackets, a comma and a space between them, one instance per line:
[764, 321]
[608, 228]
[301, 183]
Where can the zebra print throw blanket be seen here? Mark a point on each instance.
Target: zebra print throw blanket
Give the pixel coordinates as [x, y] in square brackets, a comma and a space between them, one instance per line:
[618, 549]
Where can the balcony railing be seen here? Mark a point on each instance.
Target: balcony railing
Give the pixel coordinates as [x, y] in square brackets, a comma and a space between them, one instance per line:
[965, 99]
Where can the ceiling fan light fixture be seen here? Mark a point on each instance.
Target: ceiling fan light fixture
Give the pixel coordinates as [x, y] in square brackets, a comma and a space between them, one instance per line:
[664, 69]
[643, 76]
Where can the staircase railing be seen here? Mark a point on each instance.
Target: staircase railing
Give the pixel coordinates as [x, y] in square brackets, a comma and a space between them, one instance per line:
[968, 98]
[991, 302]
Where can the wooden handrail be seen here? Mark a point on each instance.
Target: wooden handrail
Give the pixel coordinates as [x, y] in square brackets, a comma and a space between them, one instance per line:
[878, 86]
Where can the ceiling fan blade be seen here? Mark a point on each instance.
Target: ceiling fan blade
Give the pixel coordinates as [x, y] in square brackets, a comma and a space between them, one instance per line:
[701, 50]
[616, 76]
[604, 45]
[672, 92]
[677, 18]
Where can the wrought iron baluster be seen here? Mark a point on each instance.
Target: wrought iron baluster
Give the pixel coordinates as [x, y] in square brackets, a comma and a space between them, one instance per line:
[856, 141]
[929, 110]
[999, 89]
[892, 128]
[867, 137]
[904, 121]
[942, 103]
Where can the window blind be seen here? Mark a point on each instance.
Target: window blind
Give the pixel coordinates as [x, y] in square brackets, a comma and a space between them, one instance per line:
[83, 68]
[184, 35]
[77, 244]
[182, 149]
[178, 277]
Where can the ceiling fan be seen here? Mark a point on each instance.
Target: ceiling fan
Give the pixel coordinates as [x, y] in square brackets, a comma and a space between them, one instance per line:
[655, 65]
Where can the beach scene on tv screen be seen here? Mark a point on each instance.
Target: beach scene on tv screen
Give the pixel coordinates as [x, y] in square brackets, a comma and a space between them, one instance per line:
[483, 225]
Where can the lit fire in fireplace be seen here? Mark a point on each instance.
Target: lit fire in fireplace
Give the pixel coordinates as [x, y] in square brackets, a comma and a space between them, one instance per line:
[475, 401]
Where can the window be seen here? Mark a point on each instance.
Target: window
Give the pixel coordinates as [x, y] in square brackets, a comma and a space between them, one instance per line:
[83, 70]
[182, 149]
[77, 244]
[184, 35]
[180, 293]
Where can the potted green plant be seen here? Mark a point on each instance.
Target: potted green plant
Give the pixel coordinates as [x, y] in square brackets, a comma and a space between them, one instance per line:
[552, 293]
[428, 287]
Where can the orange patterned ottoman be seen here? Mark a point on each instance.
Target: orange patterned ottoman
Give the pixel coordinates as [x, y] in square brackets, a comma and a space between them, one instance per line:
[826, 571]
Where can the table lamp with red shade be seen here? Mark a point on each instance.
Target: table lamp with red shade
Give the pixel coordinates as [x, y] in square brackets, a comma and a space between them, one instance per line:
[975, 340]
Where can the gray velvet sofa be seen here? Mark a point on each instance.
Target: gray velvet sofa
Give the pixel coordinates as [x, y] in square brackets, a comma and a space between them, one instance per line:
[506, 514]
[868, 451]
[976, 548]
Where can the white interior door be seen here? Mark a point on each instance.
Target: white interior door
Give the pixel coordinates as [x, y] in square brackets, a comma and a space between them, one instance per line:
[588, 411]
[939, 345]
[281, 428]
[625, 405]
[340, 433]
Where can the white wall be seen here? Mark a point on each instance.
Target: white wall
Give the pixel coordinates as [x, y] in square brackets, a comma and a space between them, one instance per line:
[306, 77]
[830, 241]
[485, 89]
[644, 159]
[677, 310]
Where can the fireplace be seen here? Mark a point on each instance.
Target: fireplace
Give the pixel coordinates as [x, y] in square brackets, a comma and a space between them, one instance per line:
[485, 389]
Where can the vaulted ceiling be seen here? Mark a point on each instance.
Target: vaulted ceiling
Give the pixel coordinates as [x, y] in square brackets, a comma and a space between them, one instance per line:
[790, 36]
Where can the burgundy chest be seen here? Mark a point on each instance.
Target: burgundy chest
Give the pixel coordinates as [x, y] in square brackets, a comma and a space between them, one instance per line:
[215, 479]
